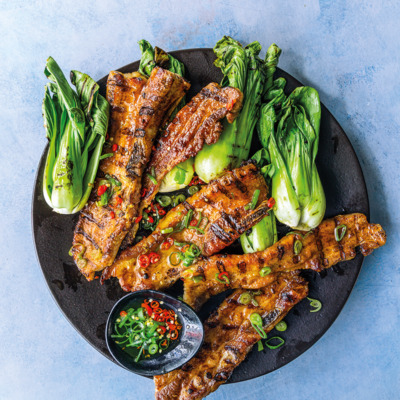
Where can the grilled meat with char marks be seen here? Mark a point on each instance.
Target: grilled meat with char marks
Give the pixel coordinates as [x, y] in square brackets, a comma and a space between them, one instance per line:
[138, 108]
[229, 337]
[195, 124]
[319, 250]
[224, 217]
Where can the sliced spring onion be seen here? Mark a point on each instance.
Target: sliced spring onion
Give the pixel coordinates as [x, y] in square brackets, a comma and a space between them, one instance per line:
[114, 181]
[167, 230]
[295, 233]
[245, 298]
[102, 157]
[254, 199]
[193, 251]
[174, 258]
[197, 278]
[260, 346]
[281, 342]
[265, 271]
[340, 231]
[298, 245]
[254, 302]
[152, 178]
[180, 198]
[188, 218]
[281, 326]
[153, 348]
[188, 261]
[192, 190]
[257, 324]
[201, 231]
[164, 200]
[80, 254]
[256, 319]
[81, 263]
[315, 303]
[180, 244]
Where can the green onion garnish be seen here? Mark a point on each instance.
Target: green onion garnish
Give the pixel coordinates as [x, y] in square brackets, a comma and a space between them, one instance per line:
[315, 303]
[265, 271]
[254, 200]
[164, 200]
[295, 233]
[188, 218]
[297, 247]
[197, 229]
[281, 326]
[102, 157]
[257, 324]
[260, 346]
[174, 258]
[197, 278]
[245, 298]
[180, 198]
[114, 181]
[152, 178]
[192, 190]
[340, 231]
[281, 342]
[167, 230]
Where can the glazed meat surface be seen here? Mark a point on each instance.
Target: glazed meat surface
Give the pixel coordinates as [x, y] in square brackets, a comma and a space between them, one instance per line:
[195, 124]
[220, 209]
[229, 337]
[319, 250]
[138, 108]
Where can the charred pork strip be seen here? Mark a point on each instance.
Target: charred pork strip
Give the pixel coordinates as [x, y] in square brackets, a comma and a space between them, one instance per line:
[221, 212]
[138, 109]
[316, 250]
[229, 337]
[195, 124]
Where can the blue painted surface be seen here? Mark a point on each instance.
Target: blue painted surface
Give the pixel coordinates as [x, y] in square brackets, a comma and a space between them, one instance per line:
[348, 50]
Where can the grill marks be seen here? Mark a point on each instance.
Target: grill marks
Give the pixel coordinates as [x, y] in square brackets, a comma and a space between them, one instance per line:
[134, 122]
[320, 250]
[228, 339]
[220, 231]
[195, 124]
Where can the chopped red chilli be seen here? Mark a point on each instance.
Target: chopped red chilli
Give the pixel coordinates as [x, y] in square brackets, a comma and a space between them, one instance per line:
[271, 202]
[147, 330]
[144, 261]
[102, 189]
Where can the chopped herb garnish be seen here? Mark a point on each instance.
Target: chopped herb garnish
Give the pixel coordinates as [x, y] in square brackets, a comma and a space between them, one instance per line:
[281, 326]
[315, 303]
[298, 245]
[252, 204]
[275, 338]
[107, 155]
[340, 231]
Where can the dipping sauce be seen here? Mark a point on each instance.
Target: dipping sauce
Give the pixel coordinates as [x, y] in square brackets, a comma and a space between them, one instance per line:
[146, 330]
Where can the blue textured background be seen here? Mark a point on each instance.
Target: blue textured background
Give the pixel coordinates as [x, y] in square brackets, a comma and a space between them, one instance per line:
[348, 50]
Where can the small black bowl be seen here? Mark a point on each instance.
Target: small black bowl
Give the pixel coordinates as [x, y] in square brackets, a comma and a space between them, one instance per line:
[189, 342]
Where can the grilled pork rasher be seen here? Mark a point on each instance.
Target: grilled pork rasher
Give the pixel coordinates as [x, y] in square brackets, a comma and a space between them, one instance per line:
[195, 124]
[317, 250]
[138, 108]
[229, 337]
[220, 211]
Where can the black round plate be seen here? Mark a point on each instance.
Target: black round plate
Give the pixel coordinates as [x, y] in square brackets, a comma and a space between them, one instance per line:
[87, 304]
